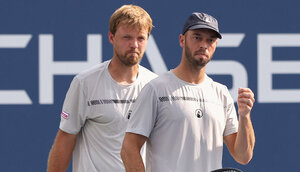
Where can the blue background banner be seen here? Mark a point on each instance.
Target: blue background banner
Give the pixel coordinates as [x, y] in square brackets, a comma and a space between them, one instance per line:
[43, 44]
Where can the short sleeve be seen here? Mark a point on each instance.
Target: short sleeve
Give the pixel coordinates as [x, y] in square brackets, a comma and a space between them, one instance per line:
[231, 125]
[73, 112]
[144, 112]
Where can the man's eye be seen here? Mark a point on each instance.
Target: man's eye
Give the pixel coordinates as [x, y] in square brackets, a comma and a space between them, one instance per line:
[141, 38]
[211, 40]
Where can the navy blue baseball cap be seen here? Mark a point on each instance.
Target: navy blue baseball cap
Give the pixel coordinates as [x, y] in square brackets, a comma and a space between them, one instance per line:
[201, 21]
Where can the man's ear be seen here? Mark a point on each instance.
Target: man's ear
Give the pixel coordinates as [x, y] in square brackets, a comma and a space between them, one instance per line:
[111, 37]
[181, 40]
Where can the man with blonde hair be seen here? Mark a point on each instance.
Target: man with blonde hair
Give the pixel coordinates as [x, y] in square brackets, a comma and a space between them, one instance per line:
[94, 114]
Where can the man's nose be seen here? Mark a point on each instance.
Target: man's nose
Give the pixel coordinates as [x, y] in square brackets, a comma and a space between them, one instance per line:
[134, 43]
[203, 44]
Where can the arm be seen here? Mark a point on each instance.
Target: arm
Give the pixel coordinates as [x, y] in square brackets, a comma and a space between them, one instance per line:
[241, 144]
[130, 152]
[61, 152]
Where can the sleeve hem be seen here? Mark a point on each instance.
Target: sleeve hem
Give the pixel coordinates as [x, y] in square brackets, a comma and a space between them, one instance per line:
[232, 131]
[139, 132]
[68, 130]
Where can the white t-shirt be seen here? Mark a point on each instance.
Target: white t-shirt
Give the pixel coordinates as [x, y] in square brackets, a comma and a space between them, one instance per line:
[94, 108]
[185, 123]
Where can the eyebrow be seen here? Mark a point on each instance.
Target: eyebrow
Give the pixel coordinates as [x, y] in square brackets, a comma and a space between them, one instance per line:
[199, 34]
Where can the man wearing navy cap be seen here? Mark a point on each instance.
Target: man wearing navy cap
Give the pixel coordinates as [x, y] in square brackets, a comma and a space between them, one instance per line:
[185, 116]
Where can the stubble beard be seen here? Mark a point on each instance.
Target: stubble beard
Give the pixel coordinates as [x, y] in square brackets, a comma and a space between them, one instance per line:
[198, 63]
[130, 59]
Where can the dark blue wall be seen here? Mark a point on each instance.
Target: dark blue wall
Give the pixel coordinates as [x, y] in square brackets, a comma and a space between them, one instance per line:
[28, 129]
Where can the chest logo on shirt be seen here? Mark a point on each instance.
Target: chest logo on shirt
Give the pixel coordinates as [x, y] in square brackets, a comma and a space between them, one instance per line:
[129, 114]
[198, 113]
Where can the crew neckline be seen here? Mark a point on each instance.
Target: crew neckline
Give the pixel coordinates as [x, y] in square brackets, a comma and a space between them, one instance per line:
[188, 83]
[107, 73]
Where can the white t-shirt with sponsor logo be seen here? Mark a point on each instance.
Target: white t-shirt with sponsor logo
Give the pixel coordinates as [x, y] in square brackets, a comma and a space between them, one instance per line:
[185, 123]
[95, 109]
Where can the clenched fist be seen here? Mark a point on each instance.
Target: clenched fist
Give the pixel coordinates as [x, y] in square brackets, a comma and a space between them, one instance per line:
[245, 101]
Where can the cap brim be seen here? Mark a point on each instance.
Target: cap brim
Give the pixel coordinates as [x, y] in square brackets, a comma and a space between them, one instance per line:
[205, 27]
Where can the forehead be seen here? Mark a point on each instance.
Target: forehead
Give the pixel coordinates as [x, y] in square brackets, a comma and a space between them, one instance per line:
[127, 28]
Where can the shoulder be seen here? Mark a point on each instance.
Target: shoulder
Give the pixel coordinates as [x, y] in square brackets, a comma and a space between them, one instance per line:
[220, 89]
[162, 82]
[92, 72]
[216, 85]
[146, 73]
[162, 79]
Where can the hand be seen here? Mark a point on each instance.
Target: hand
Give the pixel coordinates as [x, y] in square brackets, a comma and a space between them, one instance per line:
[245, 101]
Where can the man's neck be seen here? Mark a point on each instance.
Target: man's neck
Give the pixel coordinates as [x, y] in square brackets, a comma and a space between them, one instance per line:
[190, 74]
[122, 73]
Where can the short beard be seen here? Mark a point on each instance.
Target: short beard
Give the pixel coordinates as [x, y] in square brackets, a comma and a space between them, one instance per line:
[190, 58]
[129, 60]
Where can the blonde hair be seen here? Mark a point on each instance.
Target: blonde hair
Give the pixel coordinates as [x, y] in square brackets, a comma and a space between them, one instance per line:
[132, 15]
